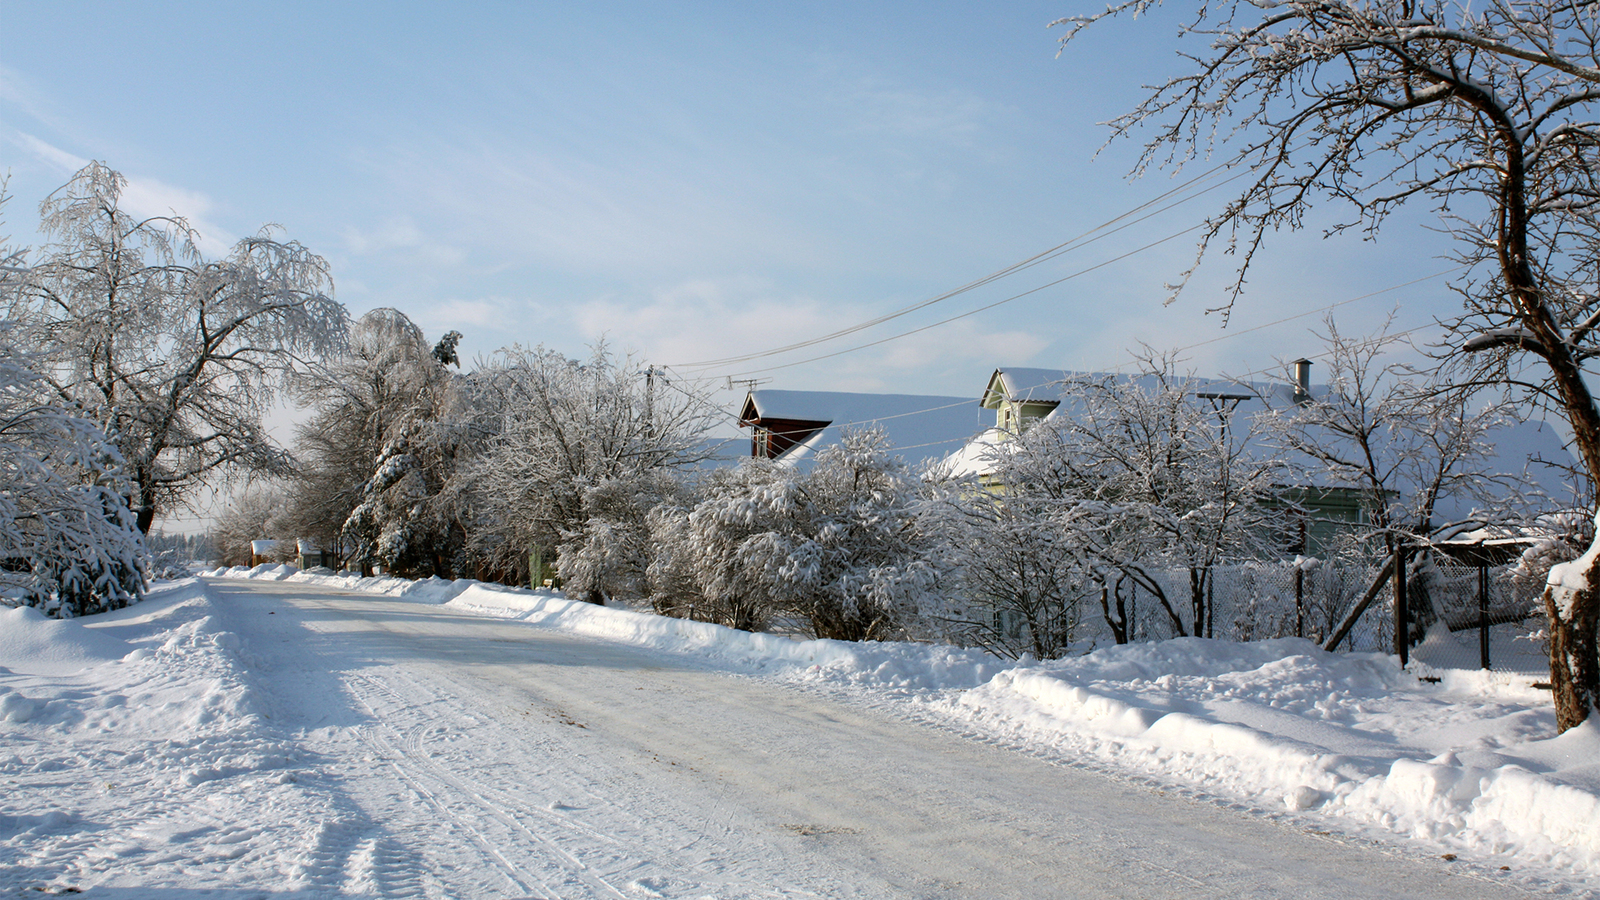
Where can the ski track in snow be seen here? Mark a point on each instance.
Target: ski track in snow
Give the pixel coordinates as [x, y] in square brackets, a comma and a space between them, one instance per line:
[288, 740]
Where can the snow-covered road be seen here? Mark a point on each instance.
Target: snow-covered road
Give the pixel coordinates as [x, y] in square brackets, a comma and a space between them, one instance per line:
[474, 757]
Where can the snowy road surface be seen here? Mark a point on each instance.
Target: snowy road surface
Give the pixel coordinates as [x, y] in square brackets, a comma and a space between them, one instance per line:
[465, 756]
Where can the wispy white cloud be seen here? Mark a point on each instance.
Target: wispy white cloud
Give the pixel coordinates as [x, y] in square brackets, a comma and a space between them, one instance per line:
[704, 320]
[19, 93]
[144, 197]
[63, 162]
[402, 234]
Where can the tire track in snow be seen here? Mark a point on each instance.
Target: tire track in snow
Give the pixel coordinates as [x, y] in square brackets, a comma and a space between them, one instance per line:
[498, 819]
[382, 692]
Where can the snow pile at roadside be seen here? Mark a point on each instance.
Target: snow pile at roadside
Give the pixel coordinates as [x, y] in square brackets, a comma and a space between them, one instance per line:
[138, 752]
[1473, 766]
[1470, 765]
[905, 666]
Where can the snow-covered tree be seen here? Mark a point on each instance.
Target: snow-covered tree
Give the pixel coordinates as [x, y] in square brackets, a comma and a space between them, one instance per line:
[1144, 474]
[561, 426]
[380, 448]
[1403, 442]
[1486, 111]
[257, 512]
[68, 543]
[174, 356]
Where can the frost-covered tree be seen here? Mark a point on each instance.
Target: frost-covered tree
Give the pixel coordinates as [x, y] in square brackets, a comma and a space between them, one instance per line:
[560, 426]
[1402, 441]
[380, 447]
[67, 541]
[1485, 111]
[173, 355]
[1144, 474]
[1015, 584]
[258, 512]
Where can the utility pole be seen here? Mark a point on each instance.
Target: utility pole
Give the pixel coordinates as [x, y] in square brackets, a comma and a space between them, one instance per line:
[650, 374]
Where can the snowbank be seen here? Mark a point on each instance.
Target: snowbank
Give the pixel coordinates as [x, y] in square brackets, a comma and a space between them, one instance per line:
[1470, 764]
[138, 749]
[32, 644]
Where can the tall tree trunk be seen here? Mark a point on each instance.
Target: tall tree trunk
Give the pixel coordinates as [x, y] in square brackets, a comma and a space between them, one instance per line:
[144, 510]
[1574, 655]
[1574, 667]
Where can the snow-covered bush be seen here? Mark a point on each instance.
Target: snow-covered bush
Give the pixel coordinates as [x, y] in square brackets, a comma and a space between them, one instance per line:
[1015, 583]
[837, 547]
[848, 556]
[609, 555]
[556, 426]
[68, 542]
[702, 564]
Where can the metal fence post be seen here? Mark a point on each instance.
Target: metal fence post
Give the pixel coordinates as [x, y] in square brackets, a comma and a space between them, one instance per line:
[1483, 614]
[1402, 612]
[1299, 600]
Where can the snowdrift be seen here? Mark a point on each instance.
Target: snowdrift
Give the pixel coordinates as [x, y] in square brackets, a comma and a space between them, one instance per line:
[1469, 765]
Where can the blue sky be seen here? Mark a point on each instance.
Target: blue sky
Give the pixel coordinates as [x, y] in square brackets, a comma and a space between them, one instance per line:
[690, 181]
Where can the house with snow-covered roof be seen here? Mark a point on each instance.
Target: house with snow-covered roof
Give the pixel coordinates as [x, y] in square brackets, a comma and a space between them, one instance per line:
[792, 427]
[1019, 397]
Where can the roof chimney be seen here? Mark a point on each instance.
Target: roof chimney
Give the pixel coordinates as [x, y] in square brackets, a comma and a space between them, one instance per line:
[1302, 381]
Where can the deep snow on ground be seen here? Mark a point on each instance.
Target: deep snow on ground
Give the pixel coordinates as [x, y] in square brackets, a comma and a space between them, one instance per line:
[156, 725]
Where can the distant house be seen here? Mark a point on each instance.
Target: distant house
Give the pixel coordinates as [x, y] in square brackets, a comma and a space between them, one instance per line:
[793, 426]
[1018, 397]
[263, 552]
[312, 556]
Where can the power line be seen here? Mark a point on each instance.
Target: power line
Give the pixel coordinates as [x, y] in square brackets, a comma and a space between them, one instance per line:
[1097, 233]
[986, 308]
[1312, 312]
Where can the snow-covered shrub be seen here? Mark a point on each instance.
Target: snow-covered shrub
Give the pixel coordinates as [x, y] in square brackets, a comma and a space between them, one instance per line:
[837, 547]
[848, 556]
[670, 574]
[609, 555]
[707, 559]
[1014, 583]
[69, 543]
[1139, 475]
